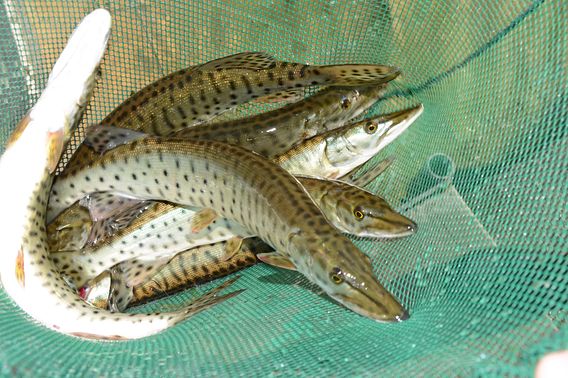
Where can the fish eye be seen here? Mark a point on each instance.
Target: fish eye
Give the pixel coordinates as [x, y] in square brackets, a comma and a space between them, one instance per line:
[336, 278]
[370, 128]
[358, 214]
[345, 103]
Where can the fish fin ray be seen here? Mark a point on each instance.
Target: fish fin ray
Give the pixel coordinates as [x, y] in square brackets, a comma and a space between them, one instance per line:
[232, 247]
[102, 138]
[243, 61]
[276, 259]
[202, 219]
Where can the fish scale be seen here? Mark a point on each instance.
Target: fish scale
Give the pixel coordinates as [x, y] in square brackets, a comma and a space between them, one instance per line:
[248, 189]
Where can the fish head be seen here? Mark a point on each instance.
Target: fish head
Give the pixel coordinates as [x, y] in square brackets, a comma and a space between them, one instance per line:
[343, 104]
[371, 135]
[70, 230]
[369, 215]
[346, 275]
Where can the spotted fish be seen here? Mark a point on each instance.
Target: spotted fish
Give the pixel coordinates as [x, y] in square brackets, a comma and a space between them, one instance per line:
[275, 132]
[198, 94]
[165, 230]
[135, 280]
[314, 157]
[248, 189]
[193, 267]
[27, 274]
[337, 152]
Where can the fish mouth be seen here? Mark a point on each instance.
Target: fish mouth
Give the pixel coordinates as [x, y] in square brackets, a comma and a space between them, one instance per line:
[397, 226]
[374, 309]
[404, 118]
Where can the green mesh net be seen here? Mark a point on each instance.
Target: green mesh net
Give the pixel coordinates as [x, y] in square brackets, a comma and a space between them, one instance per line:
[483, 172]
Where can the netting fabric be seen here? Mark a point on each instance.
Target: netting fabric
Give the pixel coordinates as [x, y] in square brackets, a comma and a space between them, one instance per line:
[483, 172]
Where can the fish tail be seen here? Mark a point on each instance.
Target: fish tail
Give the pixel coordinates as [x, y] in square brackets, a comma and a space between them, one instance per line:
[208, 300]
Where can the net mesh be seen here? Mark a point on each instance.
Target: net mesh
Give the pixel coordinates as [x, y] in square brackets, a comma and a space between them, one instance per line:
[483, 172]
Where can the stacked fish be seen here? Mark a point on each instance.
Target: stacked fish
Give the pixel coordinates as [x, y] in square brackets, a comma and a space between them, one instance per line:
[162, 195]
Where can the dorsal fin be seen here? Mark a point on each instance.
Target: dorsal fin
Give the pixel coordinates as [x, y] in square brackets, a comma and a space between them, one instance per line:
[245, 61]
[101, 138]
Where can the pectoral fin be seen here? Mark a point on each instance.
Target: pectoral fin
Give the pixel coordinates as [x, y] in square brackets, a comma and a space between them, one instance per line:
[276, 259]
[202, 219]
[232, 247]
[101, 138]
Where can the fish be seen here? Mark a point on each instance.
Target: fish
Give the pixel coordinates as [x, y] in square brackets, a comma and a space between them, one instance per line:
[196, 266]
[165, 230]
[248, 189]
[366, 214]
[335, 153]
[198, 94]
[188, 268]
[275, 132]
[26, 272]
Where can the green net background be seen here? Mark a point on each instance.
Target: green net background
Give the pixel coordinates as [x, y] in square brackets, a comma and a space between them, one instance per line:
[483, 172]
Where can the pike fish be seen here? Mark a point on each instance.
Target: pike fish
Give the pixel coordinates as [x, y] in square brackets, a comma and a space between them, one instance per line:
[27, 274]
[165, 230]
[189, 268]
[200, 93]
[275, 132]
[319, 156]
[337, 152]
[247, 189]
[356, 211]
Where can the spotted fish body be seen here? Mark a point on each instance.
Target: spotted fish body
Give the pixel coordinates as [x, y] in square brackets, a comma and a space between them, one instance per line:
[198, 94]
[189, 268]
[275, 132]
[196, 266]
[165, 230]
[248, 189]
[27, 274]
[337, 152]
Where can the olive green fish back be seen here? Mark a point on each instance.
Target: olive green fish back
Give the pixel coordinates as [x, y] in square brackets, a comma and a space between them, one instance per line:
[482, 172]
